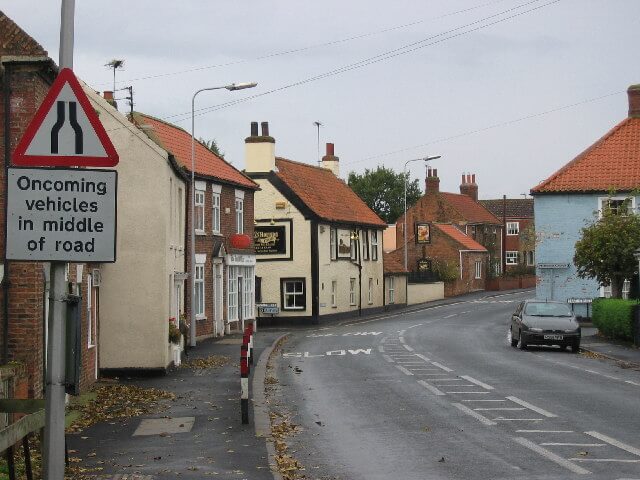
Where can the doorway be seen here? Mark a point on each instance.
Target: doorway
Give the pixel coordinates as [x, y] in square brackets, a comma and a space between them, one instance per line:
[218, 298]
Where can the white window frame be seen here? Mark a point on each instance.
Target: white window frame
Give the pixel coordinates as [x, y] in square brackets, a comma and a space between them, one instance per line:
[513, 228]
[286, 293]
[248, 296]
[334, 293]
[199, 291]
[232, 294]
[199, 211]
[478, 269]
[392, 290]
[333, 241]
[239, 215]
[352, 291]
[511, 257]
[601, 200]
[370, 297]
[365, 244]
[531, 258]
[354, 246]
[215, 212]
[374, 245]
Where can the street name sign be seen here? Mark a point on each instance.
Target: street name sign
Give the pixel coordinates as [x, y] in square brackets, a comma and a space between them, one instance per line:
[270, 310]
[263, 305]
[65, 130]
[66, 215]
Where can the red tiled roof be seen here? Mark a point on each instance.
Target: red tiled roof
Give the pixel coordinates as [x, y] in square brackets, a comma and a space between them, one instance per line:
[464, 240]
[15, 41]
[325, 194]
[178, 142]
[392, 264]
[471, 210]
[613, 162]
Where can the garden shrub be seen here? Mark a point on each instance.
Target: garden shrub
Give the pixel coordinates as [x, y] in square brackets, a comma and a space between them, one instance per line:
[614, 317]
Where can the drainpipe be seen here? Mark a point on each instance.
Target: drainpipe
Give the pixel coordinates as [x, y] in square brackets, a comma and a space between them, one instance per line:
[6, 92]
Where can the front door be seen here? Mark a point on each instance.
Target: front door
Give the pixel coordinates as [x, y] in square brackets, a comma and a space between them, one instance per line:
[218, 299]
[240, 305]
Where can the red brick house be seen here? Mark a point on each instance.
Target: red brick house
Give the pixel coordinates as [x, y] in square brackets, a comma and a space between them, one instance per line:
[519, 230]
[225, 256]
[471, 227]
[26, 73]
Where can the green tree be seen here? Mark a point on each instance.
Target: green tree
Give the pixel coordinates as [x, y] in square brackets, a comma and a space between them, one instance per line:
[382, 190]
[212, 145]
[605, 249]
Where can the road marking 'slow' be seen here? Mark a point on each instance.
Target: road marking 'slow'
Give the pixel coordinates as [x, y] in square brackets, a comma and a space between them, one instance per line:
[403, 370]
[558, 444]
[431, 388]
[475, 415]
[614, 442]
[439, 365]
[477, 382]
[532, 407]
[551, 456]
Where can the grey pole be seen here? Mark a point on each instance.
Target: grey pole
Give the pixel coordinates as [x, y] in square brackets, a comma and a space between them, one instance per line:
[54, 442]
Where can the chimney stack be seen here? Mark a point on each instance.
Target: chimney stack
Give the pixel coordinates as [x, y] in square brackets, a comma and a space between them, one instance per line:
[330, 161]
[260, 150]
[108, 96]
[634, 100]
[469, 186]
[432, 182]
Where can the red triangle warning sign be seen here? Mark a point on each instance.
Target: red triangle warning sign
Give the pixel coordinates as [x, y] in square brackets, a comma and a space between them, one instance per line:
[65, 131]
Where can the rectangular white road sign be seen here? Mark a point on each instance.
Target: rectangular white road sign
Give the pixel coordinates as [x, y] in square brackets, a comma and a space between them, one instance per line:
[64, 215]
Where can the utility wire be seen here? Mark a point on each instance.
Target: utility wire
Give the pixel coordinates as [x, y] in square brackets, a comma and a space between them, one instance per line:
[311, 47]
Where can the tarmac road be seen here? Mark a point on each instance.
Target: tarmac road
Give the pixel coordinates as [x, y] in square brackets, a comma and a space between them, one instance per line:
[440, 394]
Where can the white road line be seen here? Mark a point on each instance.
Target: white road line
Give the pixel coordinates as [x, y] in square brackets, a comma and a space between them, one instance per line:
[470, 393]
[439, 365]
[429, 374]
[545, 431]
[408, 348]
[532, 407]
[414, 326]
[422, 357]
[431, 388]
[410, 363]
[511, 409]
[475, 415]
[557, 444]
[614, 442]
[403, 370]
[387, 358]
[477, 382]
[619, 460]
[426, 370]
[632, 382]
[552, 456]
[502, 419]
[484, 400]
[449, 380]
[452, 315]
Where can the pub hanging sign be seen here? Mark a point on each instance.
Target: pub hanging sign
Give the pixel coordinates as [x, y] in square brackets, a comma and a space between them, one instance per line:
[270, 240]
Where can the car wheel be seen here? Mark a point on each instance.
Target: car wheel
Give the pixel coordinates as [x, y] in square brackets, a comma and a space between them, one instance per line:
[575, 347]
[521, 343]
[510, 338]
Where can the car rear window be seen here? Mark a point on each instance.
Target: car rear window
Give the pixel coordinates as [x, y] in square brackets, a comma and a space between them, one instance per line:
[544, 309]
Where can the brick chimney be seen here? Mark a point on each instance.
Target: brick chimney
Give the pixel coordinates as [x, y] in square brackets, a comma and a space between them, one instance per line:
[259, 150]
[108, 96]
[469, 186]
[634, 100]
[330, 161]
[432, 182]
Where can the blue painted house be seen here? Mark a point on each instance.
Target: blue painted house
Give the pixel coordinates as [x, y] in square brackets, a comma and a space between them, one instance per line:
[574, 196]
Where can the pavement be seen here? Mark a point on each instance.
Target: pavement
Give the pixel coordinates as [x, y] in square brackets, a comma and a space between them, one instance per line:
[615, 350]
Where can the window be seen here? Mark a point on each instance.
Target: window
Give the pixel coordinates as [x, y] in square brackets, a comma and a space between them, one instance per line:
[334, 293]
[199, 211]
[392, 290]
[199, 290]
[248, 294]
[333, 235]
[512, 258]
[497, 267]
[374, 245]
[478, 269]
[513, 228]
[354, 245]
[293, 294]
[626, 288]
[352, 291]
[215, 212]
[616, 205]
[370, 291]
[531, 258]
[365, 244]
[239, 215]
[232, 295]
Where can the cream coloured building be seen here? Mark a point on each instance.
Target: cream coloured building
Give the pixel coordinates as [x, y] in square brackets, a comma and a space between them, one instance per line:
[318, 245]
[144, 288]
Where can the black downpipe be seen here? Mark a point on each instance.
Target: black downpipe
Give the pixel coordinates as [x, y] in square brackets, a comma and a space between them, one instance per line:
[6, 92]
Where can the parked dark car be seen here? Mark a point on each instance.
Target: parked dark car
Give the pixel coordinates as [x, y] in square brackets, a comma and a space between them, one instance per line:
[538, 322]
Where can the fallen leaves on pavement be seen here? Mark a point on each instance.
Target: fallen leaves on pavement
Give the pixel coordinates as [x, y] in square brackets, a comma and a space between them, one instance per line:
[212, 361]
[118, 401]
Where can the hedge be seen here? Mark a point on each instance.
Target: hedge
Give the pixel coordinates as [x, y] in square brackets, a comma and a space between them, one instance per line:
[614, 317]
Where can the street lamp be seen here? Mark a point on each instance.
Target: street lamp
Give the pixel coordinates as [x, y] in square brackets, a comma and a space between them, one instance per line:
[232, 87]
[404, 232]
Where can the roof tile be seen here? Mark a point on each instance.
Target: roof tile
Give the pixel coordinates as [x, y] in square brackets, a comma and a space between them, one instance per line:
[471, 210]
[514, 207]
[466, 241]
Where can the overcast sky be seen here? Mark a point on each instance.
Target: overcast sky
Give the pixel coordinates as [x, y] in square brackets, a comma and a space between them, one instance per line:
[445, 77]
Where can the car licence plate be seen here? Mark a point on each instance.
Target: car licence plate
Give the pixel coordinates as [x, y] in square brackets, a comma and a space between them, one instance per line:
[553, 337]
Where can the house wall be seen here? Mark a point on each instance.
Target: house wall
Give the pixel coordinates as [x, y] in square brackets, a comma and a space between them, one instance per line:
[136, 292]
[558, 221]
[399, 286]
[519, 243]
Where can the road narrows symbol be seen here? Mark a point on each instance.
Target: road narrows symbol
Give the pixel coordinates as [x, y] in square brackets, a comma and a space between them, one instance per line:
[73, 121]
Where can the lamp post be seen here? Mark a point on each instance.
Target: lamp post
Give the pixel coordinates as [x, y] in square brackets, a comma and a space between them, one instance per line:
[232, 87]
[404, 232]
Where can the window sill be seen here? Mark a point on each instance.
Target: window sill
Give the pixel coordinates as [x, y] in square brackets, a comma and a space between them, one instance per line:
[200, 232]
[512, 234]
[199, 319]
